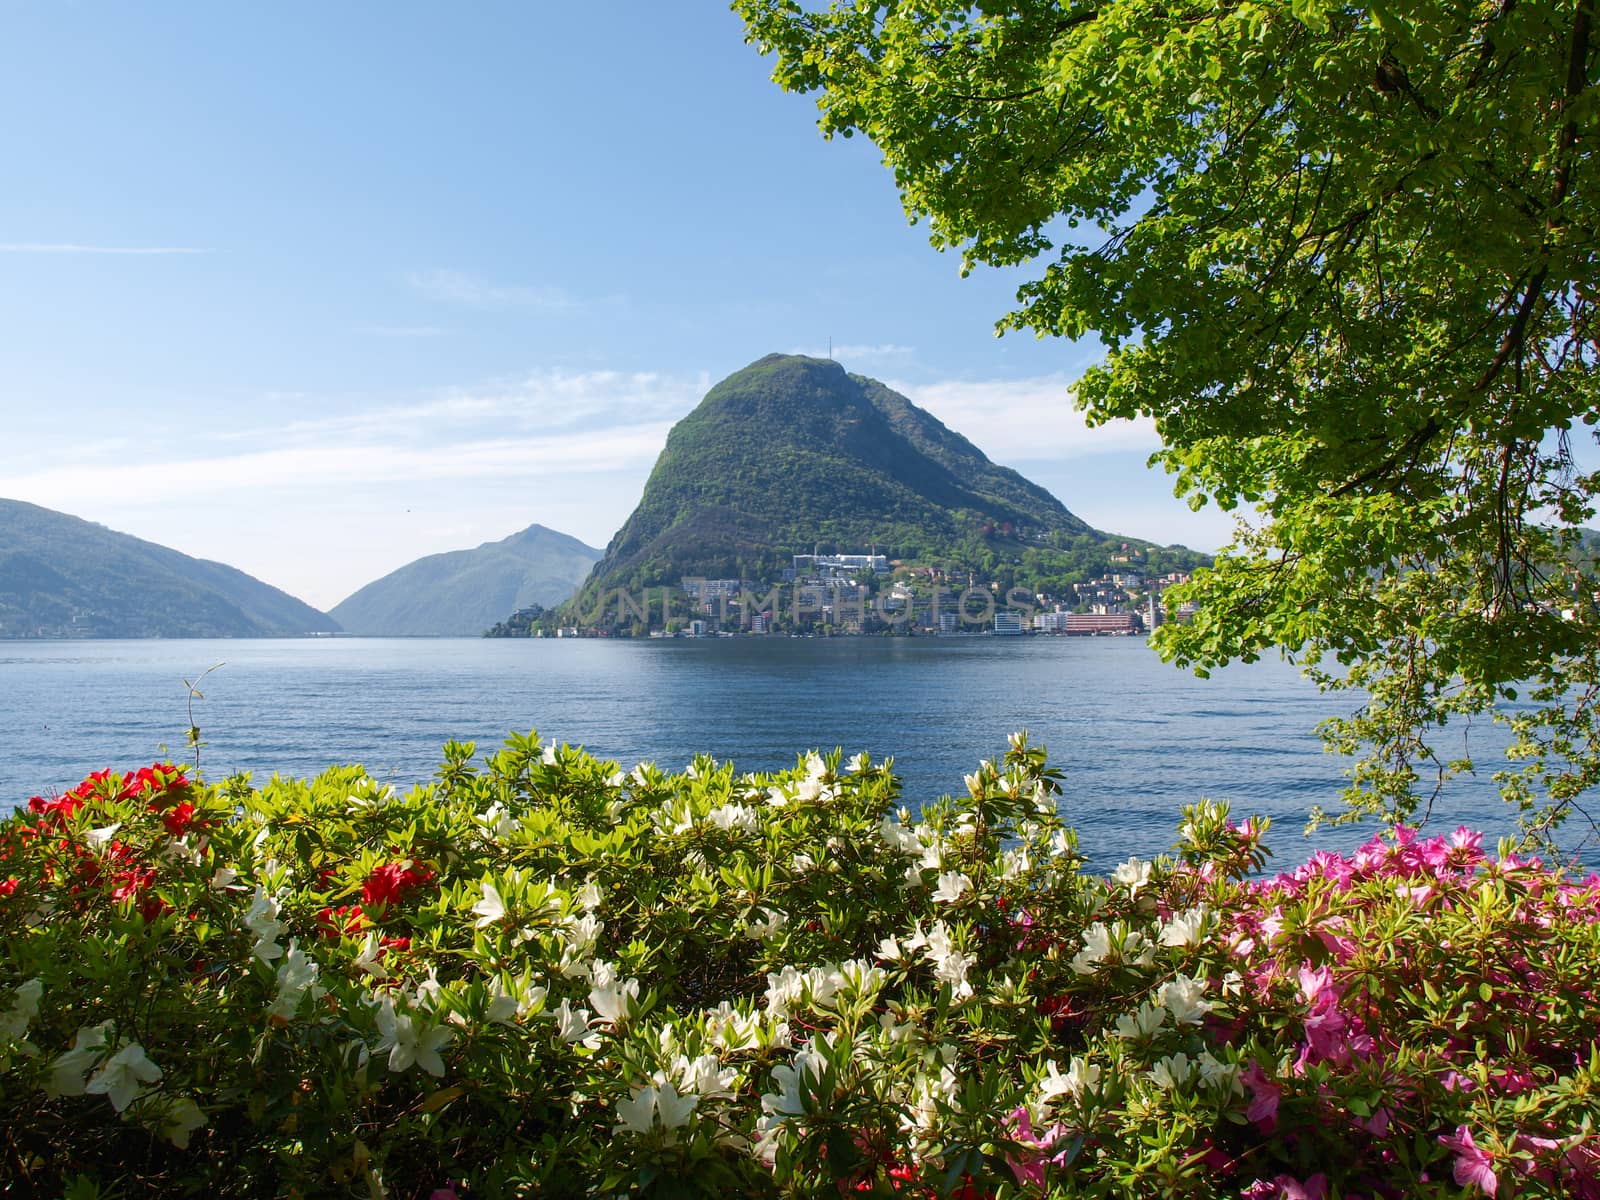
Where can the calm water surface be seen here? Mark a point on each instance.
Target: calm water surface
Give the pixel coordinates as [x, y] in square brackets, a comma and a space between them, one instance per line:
[1135, 737]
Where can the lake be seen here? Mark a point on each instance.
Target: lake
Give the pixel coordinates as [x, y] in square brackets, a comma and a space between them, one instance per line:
[1136, 738]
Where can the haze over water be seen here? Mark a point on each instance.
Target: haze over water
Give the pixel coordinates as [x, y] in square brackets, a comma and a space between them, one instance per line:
[1135, 737]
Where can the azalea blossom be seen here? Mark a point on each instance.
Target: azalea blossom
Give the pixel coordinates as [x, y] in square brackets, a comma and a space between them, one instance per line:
[367, 960]
[952, 886]
[24, 1008]
[180, 1117]
[1472, 1165]
[409, 1040]
[1096, 949]
[69, 1070]
[1172, 1071]
[491, 910]
[1133, 874]
[1141, 1023]
[1183, 998]
[705, 1076]
[639, 1112]
[1184, 928]
[123, 1076]
[767, 926]
[1080, 1076]
[296, 976]
[573, 1024]
[613, 1000]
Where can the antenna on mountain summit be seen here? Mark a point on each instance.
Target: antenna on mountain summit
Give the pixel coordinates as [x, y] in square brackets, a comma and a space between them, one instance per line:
[830, 347]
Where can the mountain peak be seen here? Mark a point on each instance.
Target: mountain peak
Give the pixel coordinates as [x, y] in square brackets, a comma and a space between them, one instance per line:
[793, 451]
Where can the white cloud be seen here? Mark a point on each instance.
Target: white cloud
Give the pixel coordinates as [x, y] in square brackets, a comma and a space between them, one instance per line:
[295, 468]
[78, 248]
[469, 291]
[1027, 420]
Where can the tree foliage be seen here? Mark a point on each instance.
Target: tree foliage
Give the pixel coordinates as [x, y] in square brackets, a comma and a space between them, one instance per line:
[1344, 254]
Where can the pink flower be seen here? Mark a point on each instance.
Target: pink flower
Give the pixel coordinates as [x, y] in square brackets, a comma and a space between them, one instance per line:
[1264, 1099]
[1030, 1168]
[1472, 1164]
[1287, 1187]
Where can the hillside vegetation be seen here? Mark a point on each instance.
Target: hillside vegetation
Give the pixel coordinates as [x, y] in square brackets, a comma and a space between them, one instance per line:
[466, 591]
[792, 454]
[65, 577]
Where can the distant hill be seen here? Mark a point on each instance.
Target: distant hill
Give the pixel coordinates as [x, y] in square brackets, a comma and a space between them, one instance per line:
[466, 591]
[794, 453]
[61, 576]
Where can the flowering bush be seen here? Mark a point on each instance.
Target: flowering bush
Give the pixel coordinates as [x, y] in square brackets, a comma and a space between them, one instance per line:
[543, 976]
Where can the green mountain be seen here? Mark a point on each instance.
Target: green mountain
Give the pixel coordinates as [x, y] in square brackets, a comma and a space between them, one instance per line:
[466, 591]
[794, 453]
[65, 577]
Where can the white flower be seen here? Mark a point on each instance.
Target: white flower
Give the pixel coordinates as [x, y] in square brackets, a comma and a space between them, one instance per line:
[889, 949]
[588, 897]
[705, 1075]
[613, 1001]
[1135, 874]
[69, 1069]
[506, 1005]
[1015, 863]
[803, 863]
[788, 1100]
[1080, 1077]
[296, 976]
[262, 920]
[822, 983]
[897, 837]
[15, 1021]
[952, 886]
[730, 1029]
[1183, 998]
[861, 977]
[550, 755]
[572, 1024]
[223, 878]
[97, 840]
[1219, 1074]
[180, 1117]
[772, 920]
[491, 910]
[123, 1076]
[1172, 1072]
[639, 1111]
[410, 1041]
[860, 762]
[784, 989]
[1185, 927]
[496, 823]
[735, 818]
[1096, 948]
[1142, 1022]
[367, 960]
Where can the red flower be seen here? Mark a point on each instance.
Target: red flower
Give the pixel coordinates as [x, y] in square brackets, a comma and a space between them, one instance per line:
[389, 883]
[178, 820]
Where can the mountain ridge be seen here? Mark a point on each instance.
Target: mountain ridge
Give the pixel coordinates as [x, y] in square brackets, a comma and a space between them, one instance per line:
[63, 576]
[464, 592]
[791, 452]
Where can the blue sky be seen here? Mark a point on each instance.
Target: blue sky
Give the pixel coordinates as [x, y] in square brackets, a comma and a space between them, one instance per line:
[316, 290]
